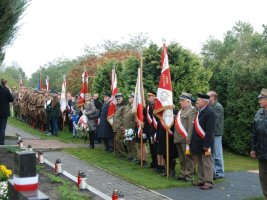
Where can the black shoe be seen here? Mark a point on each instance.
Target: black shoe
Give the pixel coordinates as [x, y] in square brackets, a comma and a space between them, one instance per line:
[106, 149]
[180, 179]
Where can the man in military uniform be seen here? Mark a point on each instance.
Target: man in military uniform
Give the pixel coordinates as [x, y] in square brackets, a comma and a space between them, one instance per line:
[259, 140]
[40, 110]
[150, 128]
[16, 104]
[202, 142]
[128, 127]
[184, 123]
[118, 126]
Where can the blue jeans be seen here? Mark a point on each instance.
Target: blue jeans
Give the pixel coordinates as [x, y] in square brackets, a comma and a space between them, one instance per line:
[217, 157]
[3, 122]
[55, 125]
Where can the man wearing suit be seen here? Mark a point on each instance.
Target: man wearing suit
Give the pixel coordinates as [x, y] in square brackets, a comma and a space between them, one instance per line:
[5, 98]
[202, 142]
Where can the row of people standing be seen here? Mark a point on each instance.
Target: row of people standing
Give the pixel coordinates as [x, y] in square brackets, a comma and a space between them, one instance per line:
[184, 136]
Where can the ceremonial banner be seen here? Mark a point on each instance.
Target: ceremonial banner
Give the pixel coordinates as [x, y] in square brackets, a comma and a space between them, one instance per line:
[47, 83]
[139, 102]
[84, 88]
[20, 81]
[39, 85]
[112, 105]
[63, 101]
[164, 103]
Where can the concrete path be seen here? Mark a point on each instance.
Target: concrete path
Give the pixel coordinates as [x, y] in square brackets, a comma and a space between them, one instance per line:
[236, 186]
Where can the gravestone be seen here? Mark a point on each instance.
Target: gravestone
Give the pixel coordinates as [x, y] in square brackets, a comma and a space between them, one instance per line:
[19, 188]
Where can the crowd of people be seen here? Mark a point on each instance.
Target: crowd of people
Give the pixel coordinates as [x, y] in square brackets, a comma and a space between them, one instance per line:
[195, 137]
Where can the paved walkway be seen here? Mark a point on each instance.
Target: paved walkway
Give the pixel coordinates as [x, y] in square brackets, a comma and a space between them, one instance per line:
[36, 142]
[236, 185]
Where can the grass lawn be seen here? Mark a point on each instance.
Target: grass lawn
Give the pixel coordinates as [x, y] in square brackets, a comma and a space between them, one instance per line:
[64, 136]
[146, 176]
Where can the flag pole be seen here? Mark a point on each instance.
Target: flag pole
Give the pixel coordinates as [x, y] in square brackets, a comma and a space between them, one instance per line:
[167, 153]
[141, 78]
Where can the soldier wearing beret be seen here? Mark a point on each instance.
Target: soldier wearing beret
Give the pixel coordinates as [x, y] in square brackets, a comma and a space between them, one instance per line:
[259, 140]
[202, 142]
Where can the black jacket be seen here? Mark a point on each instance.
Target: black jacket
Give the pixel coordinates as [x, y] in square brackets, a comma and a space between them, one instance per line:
[207, 123]
[5, 98]
[104, 129]
[259, 134]
[98, 104]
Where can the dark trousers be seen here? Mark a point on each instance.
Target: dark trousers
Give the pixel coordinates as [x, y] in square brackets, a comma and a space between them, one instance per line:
[3, 122]
[263, 176]
[55, 126]
[153, 154]
[92, 138]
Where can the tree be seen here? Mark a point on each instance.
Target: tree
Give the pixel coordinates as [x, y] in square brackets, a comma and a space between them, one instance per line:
[239, 67]
[10, 13]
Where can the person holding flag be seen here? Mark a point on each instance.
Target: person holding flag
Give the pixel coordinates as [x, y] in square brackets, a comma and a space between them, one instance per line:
[150, 128]
[184, 123]
[202, 141]
[138, 108]
[164, 111]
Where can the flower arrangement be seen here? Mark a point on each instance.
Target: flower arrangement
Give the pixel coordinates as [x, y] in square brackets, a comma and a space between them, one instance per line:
[129, 135]
[4, 173]
[4, 176]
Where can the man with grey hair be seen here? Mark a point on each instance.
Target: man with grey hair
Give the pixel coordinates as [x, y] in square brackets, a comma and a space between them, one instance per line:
[202, 142]
[182, 136]
[259, 140]
[217, 153]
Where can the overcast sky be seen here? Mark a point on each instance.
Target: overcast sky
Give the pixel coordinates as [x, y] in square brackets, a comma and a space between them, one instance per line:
[57, 28]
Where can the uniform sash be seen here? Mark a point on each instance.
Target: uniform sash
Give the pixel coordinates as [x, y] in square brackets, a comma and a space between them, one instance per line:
[151, 121]
[198, 128]
[148, 116]
[181, 129]
[179, 126]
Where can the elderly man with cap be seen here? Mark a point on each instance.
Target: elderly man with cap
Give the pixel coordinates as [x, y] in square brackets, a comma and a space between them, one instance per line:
[259, 140]
[202, 142]
[184, 123]
[104, 129]
[217, 153]
[129, 127]
[118, 126]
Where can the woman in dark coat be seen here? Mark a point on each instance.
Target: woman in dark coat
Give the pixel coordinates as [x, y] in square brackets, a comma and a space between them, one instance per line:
[55, 112]
[104, 129]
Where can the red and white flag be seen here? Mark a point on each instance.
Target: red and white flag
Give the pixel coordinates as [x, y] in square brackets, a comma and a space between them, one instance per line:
[84, 88]
[164, 103]
[47, 83]
[63, 101]
[112, 105]
[139, 102]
